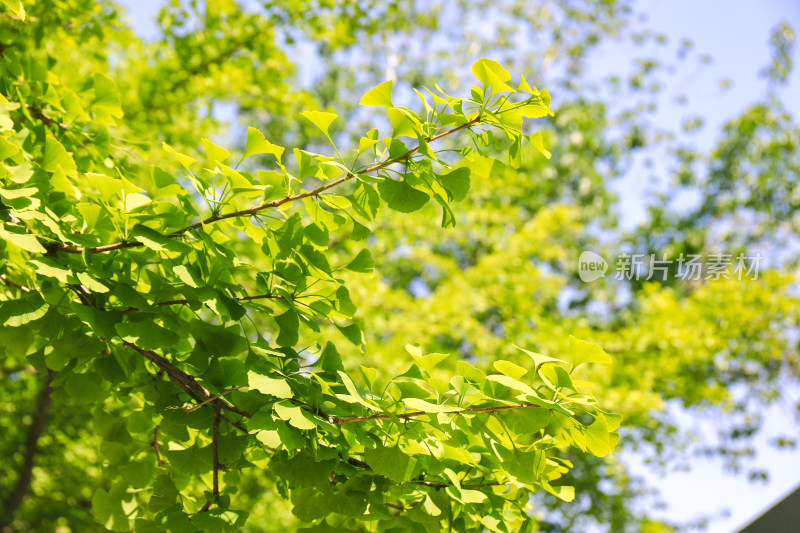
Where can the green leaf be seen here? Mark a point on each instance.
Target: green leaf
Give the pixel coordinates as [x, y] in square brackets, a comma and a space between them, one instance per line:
[511, 383]
[564, 492]
[362, 262]
[402, 124]
[106, 185]
[302, 470]
[472, 496]
[16, 7]
[586, 352]
[107, 508]
[365, 200]
[401, 197]
[329, 360]
[295, 416]
[417, 404]
[85, 388]
[525, 466]
[55, 156]
[380, 95]
[192, 461]
[355, 394]
[91, 284]
[320, 119]
[185, 275]
[135, 201]
[106, 104]
[49, 268]
[456, 183]
[258, 144]
[538, 143]
[15, 313]
[146, 334]
[392, 463]
[539, 359]
[164, 494]
[267, 385]
[510, 369]
[428, 361]
[214, 153]
[353, 333]
[525, 421]
[185, 160]
[289, 324]
[492, 74]
[220, 519]
[599, 437]
[157, 241]
[26, 241]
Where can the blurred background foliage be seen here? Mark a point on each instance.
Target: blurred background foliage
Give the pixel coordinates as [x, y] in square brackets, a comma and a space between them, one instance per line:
[507, 271]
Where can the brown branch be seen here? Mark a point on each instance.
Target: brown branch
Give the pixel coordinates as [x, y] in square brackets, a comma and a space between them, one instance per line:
[215, 455]
[414, 414]
[220, 395]
[41, 413]
[273, 203]
[184, 301]
[436, 485]
[185, 381]
[155, 446]
[10, 283]
[36, 112]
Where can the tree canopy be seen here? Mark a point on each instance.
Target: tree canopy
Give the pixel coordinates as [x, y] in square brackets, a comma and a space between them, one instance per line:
[348, 311]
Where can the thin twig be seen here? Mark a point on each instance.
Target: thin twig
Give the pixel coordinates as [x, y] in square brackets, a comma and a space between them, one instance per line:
[413, 414]
[184, 301]
[274, 203]
[155, 446]
[437, 485]
[44, 117]
[185, 381]
[215, 454]
[10, 283]
[220, 395]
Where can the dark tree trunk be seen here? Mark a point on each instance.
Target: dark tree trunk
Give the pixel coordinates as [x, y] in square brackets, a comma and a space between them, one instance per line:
[14, 499]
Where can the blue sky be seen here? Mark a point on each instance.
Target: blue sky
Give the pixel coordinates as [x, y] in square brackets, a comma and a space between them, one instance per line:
[735, 33]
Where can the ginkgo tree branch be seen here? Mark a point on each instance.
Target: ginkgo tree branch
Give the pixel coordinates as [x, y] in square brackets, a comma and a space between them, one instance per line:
[159, 459]
[61, 247]
[10, 283]
[220, 395]
[36, 112]
[215, 459]
[441, 485]
[266, 296]
[186, 381]
[414, 414]
[40, 416]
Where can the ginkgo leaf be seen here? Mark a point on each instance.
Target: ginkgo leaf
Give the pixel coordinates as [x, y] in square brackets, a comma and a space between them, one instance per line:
[427, 407]
[380, 95]
[492, 74]
[55, 155]
[586, 352]
[214, 153]
[320, 119]
[258, 144]
[277, 387]
[401, 197]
